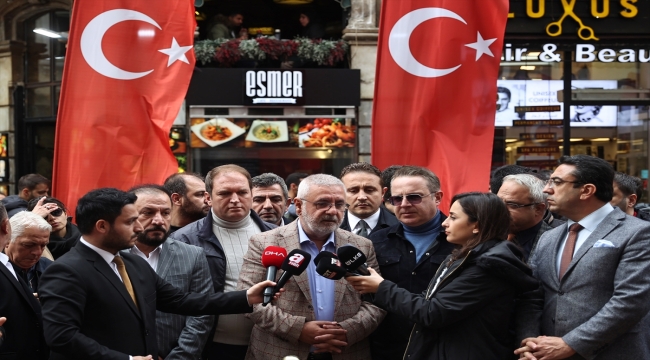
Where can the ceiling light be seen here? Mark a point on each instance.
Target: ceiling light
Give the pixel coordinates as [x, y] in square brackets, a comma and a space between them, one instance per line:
[601, 139]
[48, 33]
[527, 67]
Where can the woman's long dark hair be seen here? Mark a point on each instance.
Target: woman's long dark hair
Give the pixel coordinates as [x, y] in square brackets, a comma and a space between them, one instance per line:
[491, 215]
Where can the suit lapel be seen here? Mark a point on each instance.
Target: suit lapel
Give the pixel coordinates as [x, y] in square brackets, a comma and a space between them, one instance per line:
[291, 240]
[609, 223]
[105, 270]
[341, 238]
[20, 287]
[550, 257]
[166, 256]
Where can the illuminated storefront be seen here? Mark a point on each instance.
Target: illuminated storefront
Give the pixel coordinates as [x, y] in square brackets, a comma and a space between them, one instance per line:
[605, 46]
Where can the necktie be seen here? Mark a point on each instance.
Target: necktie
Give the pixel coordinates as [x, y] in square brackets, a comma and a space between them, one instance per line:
[125, 277]
[363, 228]
[569, 247]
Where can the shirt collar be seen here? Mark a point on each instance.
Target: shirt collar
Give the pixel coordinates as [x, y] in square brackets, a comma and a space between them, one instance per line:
[4, 259]
[108, 257]
[371, 220]
[591, 221]
[304, 238]
[155, 251]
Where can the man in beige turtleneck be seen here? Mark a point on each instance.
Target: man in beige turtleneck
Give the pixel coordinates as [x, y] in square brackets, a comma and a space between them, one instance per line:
[224, 235]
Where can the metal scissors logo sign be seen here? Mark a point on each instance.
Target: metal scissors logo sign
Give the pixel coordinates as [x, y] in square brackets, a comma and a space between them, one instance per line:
[568, 11]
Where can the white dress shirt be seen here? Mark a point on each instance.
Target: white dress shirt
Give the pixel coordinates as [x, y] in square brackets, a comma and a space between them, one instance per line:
[4, 259]
[108, 257]
[153, 257]
[371, 220]
[589, 224]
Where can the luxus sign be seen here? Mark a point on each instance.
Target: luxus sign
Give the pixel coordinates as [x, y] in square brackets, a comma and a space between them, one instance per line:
[273, 87]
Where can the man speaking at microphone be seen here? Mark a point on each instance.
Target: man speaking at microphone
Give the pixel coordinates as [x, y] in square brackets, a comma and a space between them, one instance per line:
[316, 318]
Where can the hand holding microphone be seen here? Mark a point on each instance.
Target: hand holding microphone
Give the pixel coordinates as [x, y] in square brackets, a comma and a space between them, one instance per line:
[272, 259]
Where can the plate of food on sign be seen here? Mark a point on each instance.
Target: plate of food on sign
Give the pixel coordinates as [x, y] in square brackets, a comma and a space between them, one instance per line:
[327, 133]
[268, 131]
[215, 132]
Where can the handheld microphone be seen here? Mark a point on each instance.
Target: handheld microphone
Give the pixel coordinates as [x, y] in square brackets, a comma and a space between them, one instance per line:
[353, 259]
[329, 266]
[272, 259]
[296, 262]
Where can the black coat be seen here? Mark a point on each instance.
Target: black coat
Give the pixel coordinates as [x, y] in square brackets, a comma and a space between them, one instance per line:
[24, 327]
[386, 219]
[397, 263]
[199, 233]
[88, 314]
[467, 316]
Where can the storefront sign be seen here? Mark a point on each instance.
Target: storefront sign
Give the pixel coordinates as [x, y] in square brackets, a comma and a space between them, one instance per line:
[273, 87]
[578, 19]
[537, 122]
[525, 109]
[583, 53]
[538, 163]
[537, 136]
[537, 149]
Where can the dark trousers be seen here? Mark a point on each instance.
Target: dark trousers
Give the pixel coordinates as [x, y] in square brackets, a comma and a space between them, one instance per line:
[319, 356]
[219, 351]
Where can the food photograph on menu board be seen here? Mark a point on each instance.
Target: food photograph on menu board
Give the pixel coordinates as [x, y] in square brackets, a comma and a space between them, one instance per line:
[511, 93]
[292, 133]
[4, 144]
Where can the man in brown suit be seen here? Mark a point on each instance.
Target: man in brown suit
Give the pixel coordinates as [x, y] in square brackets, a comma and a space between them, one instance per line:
[316, 318]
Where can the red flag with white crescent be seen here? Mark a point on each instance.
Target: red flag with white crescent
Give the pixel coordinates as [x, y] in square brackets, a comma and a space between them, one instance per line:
[128, 66]
[435, 88]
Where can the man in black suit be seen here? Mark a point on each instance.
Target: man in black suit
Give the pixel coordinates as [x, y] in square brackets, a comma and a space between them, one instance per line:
[363, 195]
[25, 325]
[100, 304]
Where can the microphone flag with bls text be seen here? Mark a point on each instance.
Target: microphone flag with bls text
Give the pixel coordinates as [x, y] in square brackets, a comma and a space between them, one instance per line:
[435, 88]
[127, 69]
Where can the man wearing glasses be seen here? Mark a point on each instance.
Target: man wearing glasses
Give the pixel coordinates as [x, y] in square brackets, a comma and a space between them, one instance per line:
[525, 198]
[315, 317]
[594, 272]
[410, 252]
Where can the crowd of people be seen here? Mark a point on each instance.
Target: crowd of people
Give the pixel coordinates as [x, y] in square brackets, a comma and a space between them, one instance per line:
[546, 265]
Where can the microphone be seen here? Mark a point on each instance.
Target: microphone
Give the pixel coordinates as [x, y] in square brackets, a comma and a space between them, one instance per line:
[353, 259]
[296, 262]
[272, 259]
[329, 266]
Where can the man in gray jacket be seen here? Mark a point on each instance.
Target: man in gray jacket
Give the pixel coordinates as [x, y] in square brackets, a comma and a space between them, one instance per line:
[594, 272]
[179, 337]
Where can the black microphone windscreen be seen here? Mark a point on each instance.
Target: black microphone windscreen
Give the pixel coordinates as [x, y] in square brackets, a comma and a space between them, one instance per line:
[325, 254]
[329, 268]
[351, 257]
[296, 262]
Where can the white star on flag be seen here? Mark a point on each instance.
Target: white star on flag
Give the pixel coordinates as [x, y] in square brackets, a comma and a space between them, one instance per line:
[176, 52]
[481, 46]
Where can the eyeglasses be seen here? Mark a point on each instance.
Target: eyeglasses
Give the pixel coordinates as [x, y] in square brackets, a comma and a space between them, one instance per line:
[324, 205]
[517, 206]
[412, 199]
[55, 213]
[555, 181]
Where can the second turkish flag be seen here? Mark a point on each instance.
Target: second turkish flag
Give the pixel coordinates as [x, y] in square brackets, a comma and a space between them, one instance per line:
[127, 69]
[435, 88]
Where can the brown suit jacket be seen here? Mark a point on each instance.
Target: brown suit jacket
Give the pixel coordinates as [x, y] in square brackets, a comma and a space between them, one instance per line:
[279, 324]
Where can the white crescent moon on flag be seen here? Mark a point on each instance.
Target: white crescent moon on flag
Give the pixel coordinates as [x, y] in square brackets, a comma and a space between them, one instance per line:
[91, 42]
[398, 41]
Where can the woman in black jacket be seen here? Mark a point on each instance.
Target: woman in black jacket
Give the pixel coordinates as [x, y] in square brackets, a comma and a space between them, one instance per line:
[466, 311]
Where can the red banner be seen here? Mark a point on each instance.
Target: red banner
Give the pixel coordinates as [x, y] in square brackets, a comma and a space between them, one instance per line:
[435, 88]
[128, 66]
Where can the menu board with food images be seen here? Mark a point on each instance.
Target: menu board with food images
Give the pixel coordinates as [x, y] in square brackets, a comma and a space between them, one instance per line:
[303, 133]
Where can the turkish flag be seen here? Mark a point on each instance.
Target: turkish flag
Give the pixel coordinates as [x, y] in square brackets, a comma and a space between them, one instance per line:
[435, 88]
[128, 66]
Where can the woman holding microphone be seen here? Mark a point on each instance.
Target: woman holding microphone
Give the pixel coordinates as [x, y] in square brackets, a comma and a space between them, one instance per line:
[466, 312]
